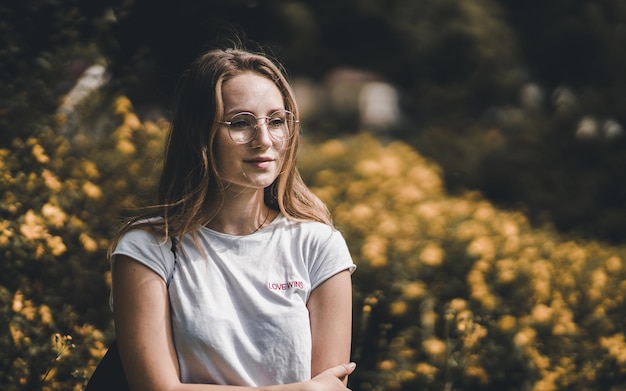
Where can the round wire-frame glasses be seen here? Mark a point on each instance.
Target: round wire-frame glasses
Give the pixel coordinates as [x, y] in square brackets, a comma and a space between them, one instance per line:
[243, 127]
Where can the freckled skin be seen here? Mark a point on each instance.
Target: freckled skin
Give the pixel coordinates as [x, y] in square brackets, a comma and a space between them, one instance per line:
[249, 92]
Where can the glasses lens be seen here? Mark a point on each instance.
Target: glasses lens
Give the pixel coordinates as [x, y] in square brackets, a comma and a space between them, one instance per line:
[241, 127]
[280, 125]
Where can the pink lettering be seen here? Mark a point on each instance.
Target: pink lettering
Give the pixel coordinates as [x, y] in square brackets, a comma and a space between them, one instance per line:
[275, 286]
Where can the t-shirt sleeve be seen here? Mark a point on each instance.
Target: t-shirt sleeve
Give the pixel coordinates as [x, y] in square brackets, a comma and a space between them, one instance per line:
[146, 249]
[331, 256]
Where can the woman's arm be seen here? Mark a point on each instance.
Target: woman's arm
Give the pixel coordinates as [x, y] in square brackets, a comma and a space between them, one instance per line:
[330, 311]
[143, 329]
[142, 326]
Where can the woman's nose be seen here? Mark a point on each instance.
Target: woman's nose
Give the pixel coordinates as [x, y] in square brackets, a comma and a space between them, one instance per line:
[262, 136]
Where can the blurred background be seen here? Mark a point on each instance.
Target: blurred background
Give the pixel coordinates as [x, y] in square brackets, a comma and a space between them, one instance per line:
[504, 113]
[522, 100]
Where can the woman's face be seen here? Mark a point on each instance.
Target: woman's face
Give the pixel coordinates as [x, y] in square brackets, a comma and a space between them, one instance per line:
[254, 165]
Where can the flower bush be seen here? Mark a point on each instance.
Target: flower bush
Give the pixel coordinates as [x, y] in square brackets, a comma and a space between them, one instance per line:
[60, 201]
[450, 293]
[453, 294]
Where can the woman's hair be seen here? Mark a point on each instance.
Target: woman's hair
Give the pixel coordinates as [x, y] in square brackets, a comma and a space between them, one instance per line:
[191, 191]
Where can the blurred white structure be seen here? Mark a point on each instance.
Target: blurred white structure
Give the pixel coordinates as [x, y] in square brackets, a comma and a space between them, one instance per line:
[532, 97]
[612, 129]
[91, 80]
[564, 99]
[355, 98]
[587, 128]
[378, 106]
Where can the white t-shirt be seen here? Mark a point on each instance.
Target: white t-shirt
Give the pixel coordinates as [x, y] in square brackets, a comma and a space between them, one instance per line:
[239, 314]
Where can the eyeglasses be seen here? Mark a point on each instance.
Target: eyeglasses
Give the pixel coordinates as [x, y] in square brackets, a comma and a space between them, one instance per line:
[242, 127]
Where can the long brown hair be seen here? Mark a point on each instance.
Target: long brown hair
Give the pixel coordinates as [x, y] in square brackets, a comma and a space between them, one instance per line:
[191, 191]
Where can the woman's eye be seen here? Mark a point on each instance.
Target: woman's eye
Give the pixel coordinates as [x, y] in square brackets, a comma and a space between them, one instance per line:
[240, 124]
[276, 122]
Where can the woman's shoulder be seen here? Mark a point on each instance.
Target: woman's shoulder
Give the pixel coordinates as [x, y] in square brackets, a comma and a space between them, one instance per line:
[311, 229]
[141, 233]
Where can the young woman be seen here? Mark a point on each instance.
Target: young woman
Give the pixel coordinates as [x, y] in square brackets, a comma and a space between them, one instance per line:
[237, 278]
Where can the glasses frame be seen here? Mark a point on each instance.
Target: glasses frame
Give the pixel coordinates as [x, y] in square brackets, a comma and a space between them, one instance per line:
[265, 119]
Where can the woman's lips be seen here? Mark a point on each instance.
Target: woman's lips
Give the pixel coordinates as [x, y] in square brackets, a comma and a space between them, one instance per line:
[262, 162]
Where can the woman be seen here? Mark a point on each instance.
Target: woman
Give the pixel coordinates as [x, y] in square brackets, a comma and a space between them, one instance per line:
[237, 277]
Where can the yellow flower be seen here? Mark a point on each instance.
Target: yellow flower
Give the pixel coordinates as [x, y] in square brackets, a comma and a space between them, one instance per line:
[541, 313]
[18, 301]
[426, 178]
[5, 232]
[477, 373]
[525, 337]
[324, 177]
[405, 375]
[16, 334]
[45, 314]
[333, 149]
[391, 165]
[408, 194]
[507, 323]
[387, 225]
[98, 350]
[414, 290]
[89, 244]
[33, 227]
[613, 264]
[122, 105]
[435, 348]
[132, 121]
[152, 129]
[470, 229]
[432, 255]
[40, 154]
[54, 215]
[484, 212]
[386, 365]
[368, 168]
[108, 278]
[506, 227]
[29, 311]
[126, 147]
[425, 369]
[375, 250]
[428, 211]
[616, 347]
[398, 308]
[482, 247]
[56, 245]
[362, 214]
[458, 304]
[90, 169]
[327, 194]
[77, 224]
[598, 278]
[50, 180]
[91, 190]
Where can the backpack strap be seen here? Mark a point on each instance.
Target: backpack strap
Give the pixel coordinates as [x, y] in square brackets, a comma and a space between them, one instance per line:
[174, 245]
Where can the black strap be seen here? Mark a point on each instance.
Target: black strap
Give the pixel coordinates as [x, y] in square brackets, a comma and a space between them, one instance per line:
[174, 246]
[109, 374]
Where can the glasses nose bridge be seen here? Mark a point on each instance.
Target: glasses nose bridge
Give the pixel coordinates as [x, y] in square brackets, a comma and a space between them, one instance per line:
[264, 121]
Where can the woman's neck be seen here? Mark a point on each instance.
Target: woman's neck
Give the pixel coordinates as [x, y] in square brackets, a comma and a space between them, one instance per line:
[241, 215]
